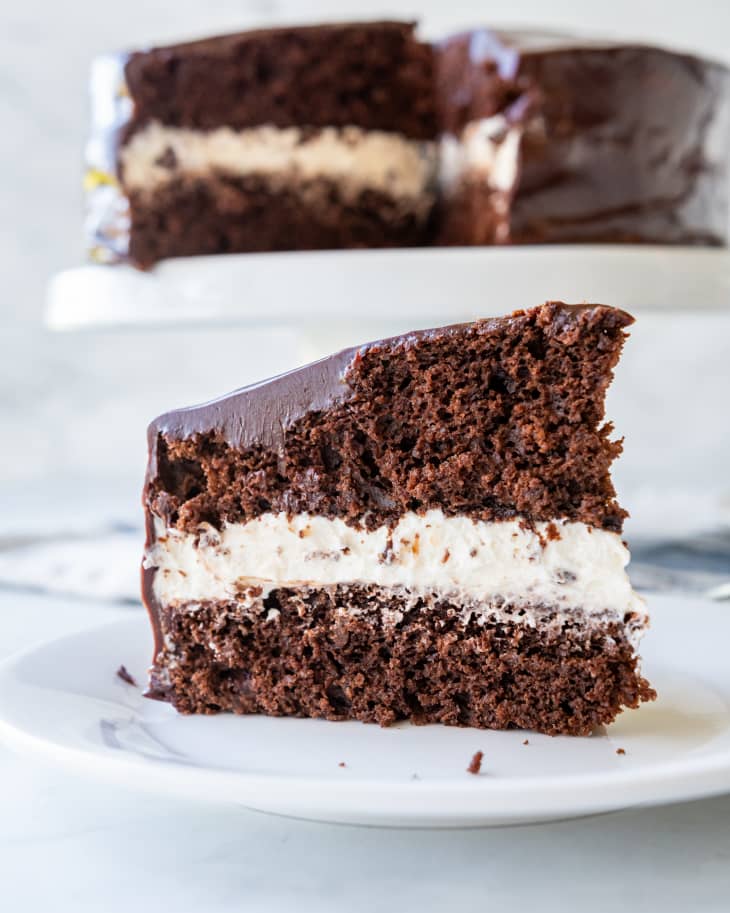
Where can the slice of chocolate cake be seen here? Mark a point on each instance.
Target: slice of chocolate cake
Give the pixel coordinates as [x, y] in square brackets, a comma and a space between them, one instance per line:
[278, 139]
[421, 528]
[553, 139]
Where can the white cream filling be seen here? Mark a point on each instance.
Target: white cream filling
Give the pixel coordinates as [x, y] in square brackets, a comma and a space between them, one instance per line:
[356, 159]
[479, 563]
[488, 149]
[359, 159]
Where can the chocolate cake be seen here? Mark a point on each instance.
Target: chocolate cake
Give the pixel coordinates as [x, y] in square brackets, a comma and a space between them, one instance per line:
[420, 528]
[277, 139]
[360, 135]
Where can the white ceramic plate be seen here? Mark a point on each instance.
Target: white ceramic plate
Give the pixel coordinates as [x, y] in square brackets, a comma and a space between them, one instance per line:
[385, 291]
[64, 699]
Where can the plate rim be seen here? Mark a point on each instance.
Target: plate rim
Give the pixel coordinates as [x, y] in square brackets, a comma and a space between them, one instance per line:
[651, 784]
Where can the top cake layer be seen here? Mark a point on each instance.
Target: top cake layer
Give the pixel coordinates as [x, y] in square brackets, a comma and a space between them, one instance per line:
[483, 71]
[373, 75]
[496, 419]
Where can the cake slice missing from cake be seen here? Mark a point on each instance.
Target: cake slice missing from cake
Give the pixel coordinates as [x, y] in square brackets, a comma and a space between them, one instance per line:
[420, 528]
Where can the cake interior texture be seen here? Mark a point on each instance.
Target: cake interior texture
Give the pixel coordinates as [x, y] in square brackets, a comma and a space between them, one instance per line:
[364, 135]
[420, 528]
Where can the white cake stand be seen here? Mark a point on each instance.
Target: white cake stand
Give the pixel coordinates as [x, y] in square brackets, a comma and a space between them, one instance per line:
[357, 295]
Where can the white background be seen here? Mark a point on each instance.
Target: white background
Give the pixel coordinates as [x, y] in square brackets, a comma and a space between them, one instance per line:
[73, 411]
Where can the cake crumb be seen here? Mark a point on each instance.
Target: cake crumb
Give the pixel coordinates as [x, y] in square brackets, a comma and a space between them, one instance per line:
[447, 555]
[125, 676]
[168, 159]
[620, 751]
[387, 555]
[342, 764]
[526, 742]
[475, 765]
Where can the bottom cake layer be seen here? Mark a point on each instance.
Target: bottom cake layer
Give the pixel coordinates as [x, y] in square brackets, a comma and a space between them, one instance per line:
[474, 214]
[356, 652]
[248, 213]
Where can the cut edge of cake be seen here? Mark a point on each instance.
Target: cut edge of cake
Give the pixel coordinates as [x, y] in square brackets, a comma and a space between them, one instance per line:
[309, 137]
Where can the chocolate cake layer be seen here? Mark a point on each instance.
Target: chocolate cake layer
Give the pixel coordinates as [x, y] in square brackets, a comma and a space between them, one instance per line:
[228, 214]
[611, 143]
[374, 75]
[491, 420]
[349, 652]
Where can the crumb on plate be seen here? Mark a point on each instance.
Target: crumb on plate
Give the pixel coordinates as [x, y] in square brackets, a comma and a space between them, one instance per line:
[126, 676]
[475, 765]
